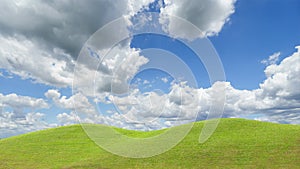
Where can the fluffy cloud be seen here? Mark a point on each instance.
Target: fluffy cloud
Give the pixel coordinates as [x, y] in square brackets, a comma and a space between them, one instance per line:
[77, 102]
[9, 125]
[180, 104]
[41, 40]
[62, 24]
[19, 103]
[283, 79]
[68, 118]
[22, 57]
[14, 115]
[93, 77]
[277, 99]
[25, 58]
[122, 64]
[53, 94]
[16, 101]
[79, 109]
[209, 16]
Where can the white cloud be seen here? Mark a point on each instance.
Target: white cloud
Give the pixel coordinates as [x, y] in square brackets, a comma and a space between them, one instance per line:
[123, 65]
[9, 125]
[25, 58]
[14, 115]
[277, 99]
[273, 59]
[68, 118]
[28, 60]
[111, 75]
[41, 40]
[14, 100]
[52, 94]
[290, 116]
[283, 79]
[62, 24]
[146, 82]
[209, 16]
[138, 110]
[165, 80]
[181, 104]
[134, 6]
[78, 102]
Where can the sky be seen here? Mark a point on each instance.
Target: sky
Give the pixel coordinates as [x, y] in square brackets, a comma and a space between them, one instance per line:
[147, 65]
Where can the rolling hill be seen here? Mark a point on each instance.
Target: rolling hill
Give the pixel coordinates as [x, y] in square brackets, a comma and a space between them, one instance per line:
[237, 143]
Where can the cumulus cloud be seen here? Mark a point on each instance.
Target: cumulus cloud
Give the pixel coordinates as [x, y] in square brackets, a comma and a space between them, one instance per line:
[28, 60]
[9, 125]
[68, 118]
[62, 24]
[25, 58]
[136, 110]
[19, 103]
[277, 99]
[40, 40]
[283, 79]
[73, 117]
[111, 74]
[78, 102]
[180, 104]
[52, 94]
[14, 115]
[207, 15]
[122, 64]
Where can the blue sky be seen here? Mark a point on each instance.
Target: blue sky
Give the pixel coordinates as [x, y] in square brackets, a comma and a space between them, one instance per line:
[256, 30]
[250, 32]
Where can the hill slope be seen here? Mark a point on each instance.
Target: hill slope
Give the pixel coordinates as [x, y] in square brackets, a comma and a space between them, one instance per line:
[237, 143]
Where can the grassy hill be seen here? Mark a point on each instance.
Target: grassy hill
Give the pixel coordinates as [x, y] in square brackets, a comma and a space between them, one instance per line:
[237, 143]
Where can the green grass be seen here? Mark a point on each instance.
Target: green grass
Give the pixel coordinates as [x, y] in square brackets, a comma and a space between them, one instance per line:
[236, 143]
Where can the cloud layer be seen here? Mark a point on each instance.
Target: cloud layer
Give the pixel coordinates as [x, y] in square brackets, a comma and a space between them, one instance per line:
[276, 100]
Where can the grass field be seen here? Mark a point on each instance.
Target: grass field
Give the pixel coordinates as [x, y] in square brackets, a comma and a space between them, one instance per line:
[237, 143]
